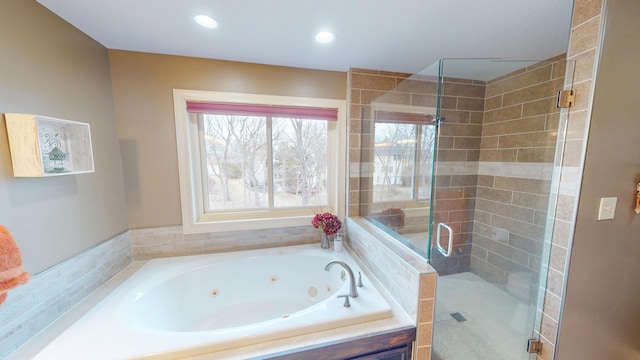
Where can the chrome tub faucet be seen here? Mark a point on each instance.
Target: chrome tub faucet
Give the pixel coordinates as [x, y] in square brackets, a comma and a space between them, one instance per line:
[353, 290]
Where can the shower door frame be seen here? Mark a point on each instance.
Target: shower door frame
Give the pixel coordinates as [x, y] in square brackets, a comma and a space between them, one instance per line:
[540, 286]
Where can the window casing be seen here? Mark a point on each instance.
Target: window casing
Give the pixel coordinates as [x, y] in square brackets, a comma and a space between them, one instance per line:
[199, 168]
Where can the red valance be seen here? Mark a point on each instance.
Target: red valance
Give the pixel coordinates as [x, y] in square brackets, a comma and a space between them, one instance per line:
[393, 117]
[263, 110]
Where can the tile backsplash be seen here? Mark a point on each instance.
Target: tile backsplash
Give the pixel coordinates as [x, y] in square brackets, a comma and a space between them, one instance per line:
[32, 307]
[170, 241]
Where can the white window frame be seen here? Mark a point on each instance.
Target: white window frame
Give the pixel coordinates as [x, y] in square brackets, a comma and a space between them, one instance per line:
[195, 220]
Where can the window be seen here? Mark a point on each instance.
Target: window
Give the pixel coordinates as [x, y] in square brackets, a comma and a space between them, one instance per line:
[403, 157]
[254, 161]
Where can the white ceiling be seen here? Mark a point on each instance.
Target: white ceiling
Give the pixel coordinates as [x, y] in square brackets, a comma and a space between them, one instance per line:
[393, 35]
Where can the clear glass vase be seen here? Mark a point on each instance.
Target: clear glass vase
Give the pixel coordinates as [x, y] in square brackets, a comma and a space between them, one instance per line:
[326, 244]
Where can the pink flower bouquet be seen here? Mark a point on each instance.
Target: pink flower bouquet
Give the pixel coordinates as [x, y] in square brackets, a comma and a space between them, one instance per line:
[327, 222]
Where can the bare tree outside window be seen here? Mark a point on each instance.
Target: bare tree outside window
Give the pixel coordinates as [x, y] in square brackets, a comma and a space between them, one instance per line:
[300, 162]
[236, 150]
[427, 148]
[403, 158]
[395, 149]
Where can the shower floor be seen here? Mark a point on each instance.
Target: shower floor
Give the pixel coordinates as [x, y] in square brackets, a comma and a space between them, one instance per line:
[487, 323]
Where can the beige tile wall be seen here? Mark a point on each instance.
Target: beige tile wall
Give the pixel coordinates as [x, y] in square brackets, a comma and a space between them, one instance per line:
[521, 119]
[386, 89]
[410, 279]
[584, 45]
[462, 106]
[519, 133]
[425, 316]
[459, 144]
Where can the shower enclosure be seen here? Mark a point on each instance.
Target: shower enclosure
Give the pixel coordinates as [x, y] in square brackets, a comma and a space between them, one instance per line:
[462, 173]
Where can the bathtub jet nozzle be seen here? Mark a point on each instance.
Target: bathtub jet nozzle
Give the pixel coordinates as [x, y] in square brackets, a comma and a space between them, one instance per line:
[353, 290]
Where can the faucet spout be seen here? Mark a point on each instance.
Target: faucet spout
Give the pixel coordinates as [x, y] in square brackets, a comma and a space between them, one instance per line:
[353, 290]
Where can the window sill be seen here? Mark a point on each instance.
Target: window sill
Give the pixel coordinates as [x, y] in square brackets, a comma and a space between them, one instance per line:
[249, 224]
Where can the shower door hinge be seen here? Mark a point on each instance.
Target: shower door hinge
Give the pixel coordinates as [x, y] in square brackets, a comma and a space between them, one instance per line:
[566, 99]
[534, 346]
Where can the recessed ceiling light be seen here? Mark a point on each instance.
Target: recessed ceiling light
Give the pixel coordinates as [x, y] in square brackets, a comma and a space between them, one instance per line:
[206, 21]
[325, 37]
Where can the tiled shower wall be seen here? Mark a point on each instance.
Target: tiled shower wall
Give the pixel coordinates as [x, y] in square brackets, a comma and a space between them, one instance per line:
[584, 47]
[418, 285]
[508, 124]
[459, 139]
[462, 107]
[391, 91]
[519, 133]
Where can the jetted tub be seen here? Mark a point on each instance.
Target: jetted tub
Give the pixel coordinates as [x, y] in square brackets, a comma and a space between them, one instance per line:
[205, 303]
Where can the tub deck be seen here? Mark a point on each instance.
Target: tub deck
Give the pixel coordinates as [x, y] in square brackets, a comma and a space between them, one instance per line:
[398, 323]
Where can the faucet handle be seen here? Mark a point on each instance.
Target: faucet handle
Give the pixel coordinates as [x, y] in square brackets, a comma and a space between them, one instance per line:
[360, 279]
[346, 300]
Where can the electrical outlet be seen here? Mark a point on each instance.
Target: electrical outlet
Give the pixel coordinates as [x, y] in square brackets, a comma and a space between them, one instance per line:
[607, 210]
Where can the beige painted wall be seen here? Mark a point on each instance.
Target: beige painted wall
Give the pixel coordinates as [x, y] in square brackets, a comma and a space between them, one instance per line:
[143, 93]
[50, 68]
[601, 316]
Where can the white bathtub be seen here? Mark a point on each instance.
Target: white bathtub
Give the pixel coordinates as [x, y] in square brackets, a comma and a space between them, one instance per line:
[206, 303]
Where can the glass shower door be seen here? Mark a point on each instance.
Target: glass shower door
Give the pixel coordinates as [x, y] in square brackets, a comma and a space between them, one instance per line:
[496, 132]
